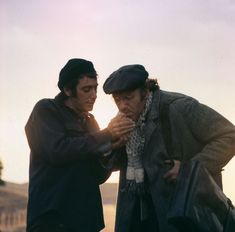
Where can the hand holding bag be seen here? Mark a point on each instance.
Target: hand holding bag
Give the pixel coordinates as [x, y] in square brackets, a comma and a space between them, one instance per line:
[198, 204]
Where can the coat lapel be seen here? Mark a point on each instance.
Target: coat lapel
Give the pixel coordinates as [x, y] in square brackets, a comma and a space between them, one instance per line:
[153, 117]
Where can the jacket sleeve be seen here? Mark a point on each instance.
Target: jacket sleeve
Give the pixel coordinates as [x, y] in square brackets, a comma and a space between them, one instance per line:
[47, 138]
[115, 161]
[212, 130]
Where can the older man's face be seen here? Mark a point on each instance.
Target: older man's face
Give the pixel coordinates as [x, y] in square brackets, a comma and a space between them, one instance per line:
[131, 103]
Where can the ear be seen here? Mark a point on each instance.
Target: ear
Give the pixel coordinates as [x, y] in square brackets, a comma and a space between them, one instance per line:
[67, 91]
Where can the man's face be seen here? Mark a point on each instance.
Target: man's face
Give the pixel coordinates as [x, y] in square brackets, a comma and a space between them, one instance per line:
[131, 103]
[85, 97]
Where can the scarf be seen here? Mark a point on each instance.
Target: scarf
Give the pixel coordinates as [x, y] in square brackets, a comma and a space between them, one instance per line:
[134, 150]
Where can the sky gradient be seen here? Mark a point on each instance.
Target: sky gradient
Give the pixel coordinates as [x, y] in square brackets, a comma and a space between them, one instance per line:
[188, 45]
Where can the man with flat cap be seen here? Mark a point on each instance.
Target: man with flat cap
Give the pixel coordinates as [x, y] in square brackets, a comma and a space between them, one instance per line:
[66, 147]
[171, 128]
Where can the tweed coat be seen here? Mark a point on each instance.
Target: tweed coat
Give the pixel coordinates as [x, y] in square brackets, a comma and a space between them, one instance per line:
[177, 127]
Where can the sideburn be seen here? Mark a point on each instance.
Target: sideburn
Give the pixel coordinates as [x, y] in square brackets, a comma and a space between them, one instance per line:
[73, 92]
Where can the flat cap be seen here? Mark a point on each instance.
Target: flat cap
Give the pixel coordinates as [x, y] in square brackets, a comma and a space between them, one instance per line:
[127, 77]
[73, 69]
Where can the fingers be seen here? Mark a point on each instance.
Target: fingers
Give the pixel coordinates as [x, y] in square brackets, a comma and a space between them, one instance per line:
[122, 122]
[120, 126]
[122, 131]
[172, 174]
[124, 134]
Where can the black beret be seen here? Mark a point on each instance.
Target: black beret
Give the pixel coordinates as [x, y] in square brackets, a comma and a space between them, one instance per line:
[73, 69]
[127, 77]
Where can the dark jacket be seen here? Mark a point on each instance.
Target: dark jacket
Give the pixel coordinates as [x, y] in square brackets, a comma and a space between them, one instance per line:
[177, 127]
[65, 171]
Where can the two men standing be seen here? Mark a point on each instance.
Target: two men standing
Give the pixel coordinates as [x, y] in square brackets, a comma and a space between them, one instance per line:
[66, 147]
[153, 134]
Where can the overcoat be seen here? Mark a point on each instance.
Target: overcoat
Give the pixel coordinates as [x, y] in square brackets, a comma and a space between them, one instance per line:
[177, 127]
[65, 171]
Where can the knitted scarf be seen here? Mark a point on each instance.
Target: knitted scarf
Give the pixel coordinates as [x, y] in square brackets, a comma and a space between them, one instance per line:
[134, 150]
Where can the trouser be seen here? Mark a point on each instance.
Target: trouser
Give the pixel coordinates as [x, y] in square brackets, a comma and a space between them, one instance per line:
[48, 228]
[50, 222]
[150, 224]
[52, 228]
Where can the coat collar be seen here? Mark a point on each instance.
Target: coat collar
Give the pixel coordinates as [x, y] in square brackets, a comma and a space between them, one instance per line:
[155, 106]
[152, 119]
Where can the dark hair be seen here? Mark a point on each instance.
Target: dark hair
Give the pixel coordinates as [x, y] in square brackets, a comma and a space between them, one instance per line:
[150, 84]
[71, 85]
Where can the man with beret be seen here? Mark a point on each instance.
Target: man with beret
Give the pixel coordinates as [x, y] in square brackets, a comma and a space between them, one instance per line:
[66, 147]
[171, 128]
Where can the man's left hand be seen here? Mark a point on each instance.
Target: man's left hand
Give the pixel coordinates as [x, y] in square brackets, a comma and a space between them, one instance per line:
[172, 174]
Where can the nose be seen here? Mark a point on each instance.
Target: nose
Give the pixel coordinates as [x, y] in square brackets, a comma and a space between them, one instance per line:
[122, 106]
[94, 93]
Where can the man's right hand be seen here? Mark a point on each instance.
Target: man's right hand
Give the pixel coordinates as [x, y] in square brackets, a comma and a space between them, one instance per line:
[120, 127]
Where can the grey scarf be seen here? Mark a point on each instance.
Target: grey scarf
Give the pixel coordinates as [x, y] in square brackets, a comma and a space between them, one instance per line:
[134, 150]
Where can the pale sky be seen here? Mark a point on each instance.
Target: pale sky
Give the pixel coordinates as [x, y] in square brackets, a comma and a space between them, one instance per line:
[188, 45]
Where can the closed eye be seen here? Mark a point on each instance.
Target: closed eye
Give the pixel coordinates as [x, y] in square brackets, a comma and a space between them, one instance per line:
[89, 88]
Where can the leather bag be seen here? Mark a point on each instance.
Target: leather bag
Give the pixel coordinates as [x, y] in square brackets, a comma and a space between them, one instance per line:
[199, 204]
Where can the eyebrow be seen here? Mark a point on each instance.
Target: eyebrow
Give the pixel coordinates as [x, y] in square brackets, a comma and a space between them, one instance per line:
[89, 86]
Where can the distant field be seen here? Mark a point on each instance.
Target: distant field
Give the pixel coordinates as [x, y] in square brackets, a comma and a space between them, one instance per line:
[109, 195]
[109, 217]
[14, 197]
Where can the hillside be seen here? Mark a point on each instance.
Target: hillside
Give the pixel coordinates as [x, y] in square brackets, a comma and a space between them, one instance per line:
[109, 193]
[13, 202]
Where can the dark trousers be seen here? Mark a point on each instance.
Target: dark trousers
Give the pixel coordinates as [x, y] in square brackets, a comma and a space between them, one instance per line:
[150, 224]
[49, 222]
[48, 228]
